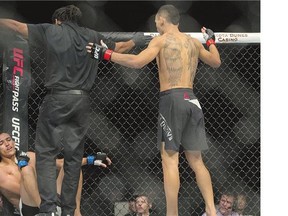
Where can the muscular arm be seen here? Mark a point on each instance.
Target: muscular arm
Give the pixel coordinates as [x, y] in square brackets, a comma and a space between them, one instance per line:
[210, 57]
[140, 60]
[60, 162]
[123, 47]
[138, 39]
[16, 26]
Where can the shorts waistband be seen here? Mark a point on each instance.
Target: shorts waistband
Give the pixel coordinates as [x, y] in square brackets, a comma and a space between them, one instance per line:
[176, 90]
[67, 92]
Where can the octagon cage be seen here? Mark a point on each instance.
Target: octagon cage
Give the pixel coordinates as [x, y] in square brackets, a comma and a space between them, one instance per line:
[123, 124]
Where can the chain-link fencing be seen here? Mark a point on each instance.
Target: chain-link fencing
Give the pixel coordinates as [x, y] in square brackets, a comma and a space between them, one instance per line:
[123, 123]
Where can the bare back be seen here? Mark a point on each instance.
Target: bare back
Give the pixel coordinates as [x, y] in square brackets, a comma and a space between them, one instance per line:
[177, 61]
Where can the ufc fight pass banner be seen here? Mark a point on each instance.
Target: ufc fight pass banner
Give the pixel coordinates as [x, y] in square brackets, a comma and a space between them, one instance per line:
[16, 84]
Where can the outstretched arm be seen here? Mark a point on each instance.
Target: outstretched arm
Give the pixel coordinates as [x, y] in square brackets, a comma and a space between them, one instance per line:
[16, 26]
[212, 56]
[123, 47]
[60, 162]
[140, 60]
[128, 60]
[138, 40]
[100, 159]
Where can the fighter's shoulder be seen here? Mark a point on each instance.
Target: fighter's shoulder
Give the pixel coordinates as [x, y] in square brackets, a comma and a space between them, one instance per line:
[195, 40]
[158, 37]
[158, 40]
[162, 39]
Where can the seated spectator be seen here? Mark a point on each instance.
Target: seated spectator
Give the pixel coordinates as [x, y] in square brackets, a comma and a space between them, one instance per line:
[143, 206]
[224, 208]
[18, 179]
[240, 204]
[132, 206]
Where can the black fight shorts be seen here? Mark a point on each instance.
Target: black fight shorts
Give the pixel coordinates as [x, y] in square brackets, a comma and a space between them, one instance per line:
[29, 210]
[181, 121]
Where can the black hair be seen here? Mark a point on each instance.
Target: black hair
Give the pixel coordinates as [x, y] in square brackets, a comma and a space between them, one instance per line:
[68, 13]
[170, 13]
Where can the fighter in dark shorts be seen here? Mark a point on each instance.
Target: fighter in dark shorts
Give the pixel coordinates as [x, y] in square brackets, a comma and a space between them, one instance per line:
[29, 210]
[181, 120]
[180, 116]
[7, 208]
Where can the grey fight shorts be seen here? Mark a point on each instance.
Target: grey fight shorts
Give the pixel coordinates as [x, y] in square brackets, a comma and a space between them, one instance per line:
[181, 121]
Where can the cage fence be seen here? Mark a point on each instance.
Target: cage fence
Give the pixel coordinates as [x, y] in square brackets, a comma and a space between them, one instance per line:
[123, 123]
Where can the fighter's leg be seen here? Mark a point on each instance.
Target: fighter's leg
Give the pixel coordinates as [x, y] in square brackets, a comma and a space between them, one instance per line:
[170, 161]
[28, 187]
[203, 179]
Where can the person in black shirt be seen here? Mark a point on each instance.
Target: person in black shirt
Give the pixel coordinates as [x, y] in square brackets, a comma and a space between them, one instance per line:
[64, 112]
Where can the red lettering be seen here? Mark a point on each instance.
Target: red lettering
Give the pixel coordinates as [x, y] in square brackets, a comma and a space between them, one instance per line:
[18, 58]
[18, 69]
[18, 53]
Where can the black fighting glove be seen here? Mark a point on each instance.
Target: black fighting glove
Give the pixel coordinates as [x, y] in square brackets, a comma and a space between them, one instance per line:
[22, 158]
[100, 52]
[209, 37]
[140, 39]
[96, 160]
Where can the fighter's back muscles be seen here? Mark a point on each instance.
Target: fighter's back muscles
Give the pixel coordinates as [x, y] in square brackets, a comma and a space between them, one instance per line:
[177, 61]
[168, 49]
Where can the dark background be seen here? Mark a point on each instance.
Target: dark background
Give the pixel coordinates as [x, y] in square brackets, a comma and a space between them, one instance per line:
[234, 160]
[129, 16]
